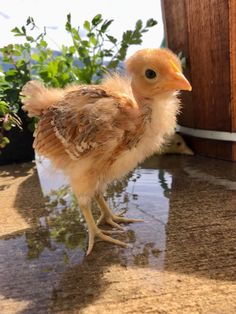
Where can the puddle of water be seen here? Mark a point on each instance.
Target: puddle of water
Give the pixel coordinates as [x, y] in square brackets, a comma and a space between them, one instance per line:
[59, 240]
[142, 194]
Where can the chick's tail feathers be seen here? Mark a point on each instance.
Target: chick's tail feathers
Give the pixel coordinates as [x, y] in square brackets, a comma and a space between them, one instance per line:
[37, 98]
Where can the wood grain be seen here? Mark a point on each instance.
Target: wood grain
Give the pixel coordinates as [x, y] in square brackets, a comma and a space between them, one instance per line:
[232, 34]
[176, 33]
[209, 51]
[210, 148]
[234, 151]
[205, 31]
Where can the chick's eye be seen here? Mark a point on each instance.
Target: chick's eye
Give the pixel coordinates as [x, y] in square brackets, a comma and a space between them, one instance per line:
[150, 74]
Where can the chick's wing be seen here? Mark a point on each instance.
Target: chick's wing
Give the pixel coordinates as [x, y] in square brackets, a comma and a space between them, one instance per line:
[88, 121]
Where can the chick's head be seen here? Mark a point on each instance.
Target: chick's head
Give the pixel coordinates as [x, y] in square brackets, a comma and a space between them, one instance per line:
[156, 71]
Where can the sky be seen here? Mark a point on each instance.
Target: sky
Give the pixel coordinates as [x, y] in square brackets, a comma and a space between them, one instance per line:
[52, 14]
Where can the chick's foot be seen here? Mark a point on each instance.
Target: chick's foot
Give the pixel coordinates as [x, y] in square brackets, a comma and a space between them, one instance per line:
[113, 220]
[109, 218]
[96, 232]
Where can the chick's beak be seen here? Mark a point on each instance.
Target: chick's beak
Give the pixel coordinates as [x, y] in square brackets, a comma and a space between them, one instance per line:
[180, 82]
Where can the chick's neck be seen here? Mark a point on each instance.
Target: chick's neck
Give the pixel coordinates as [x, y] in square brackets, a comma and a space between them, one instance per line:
[141, 99]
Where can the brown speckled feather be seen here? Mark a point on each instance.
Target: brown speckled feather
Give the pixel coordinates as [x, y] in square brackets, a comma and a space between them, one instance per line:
[89, 120]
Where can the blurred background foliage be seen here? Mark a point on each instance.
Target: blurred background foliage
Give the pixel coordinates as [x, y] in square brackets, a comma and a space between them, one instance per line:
[90, 55]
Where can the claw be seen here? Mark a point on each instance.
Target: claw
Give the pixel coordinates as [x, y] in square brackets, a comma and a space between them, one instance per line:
[94, 231]
[112, 220]
[114, 224]
[97, 232]
[125, 220]
[108, 220]
[91, 243]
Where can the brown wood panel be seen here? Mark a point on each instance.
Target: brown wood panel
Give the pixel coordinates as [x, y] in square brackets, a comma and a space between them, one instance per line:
[175, 23]
[234, 151]
[205, 31]
[211, 148]
[209, 58]
[232, 33]
[176, 33]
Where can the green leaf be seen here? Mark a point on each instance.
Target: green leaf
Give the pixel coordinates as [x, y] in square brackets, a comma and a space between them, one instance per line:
[82, 51]
[23, 30]
[29, 21]
[30, 38]
[68, 23]
[138, 25]
[122, 53]
[87, 26]
[93, 41]
[72, 49]
[107, 53]
[7, 125]
[127, 36]
[105, 25]
[4, 141]
[43, 43]
[17, 52]
[151, 22]
[113, 64]
[112, 39]
[136, 41]
[75, 34]
[85, 43]
[4, 108]
[11, 72]
[97, 19]
[35, 57]
[87, 61]
[16, 30]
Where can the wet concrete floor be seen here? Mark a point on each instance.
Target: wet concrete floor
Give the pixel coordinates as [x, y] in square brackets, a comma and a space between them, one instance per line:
[182, 258]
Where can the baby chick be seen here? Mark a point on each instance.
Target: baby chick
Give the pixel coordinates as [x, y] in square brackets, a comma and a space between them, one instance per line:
[175, 144]
[98, 133]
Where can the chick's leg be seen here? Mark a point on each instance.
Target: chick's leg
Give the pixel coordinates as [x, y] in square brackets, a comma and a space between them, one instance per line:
[93, 229]
[110, 218]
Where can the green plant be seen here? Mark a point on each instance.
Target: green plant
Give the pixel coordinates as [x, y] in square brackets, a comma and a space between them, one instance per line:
[8, 120]
[84, 61]
[11, 82]
[99, 51]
